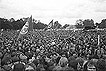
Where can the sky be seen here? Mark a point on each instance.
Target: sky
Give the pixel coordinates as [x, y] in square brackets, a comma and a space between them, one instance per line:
[64, 11]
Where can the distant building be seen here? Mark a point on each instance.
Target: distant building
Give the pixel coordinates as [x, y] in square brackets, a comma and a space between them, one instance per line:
[71, 27]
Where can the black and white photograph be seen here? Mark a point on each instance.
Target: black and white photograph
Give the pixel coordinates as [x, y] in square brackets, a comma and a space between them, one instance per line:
[52, 35]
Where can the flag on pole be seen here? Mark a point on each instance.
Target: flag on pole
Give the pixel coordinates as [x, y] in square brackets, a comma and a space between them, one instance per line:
[26, 28]
[56, 25]
[50, 26]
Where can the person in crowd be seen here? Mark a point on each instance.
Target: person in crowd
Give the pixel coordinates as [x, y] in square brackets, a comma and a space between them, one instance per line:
[53, 52]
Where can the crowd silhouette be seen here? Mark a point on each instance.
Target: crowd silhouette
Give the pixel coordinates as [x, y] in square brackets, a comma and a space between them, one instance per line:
[59, 50]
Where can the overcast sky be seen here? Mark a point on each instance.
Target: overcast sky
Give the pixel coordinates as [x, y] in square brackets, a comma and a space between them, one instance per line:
[65, 11]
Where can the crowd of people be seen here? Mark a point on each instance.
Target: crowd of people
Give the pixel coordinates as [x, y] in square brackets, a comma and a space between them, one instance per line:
[56, 50]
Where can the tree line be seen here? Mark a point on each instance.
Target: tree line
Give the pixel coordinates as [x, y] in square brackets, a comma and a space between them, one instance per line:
[89, 24]
[18, 24]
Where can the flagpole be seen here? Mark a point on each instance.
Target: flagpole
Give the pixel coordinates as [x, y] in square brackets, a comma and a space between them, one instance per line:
[98, 40]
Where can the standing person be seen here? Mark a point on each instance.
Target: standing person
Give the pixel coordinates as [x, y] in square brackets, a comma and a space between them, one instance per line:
[101, 65]
[19, 67]
[0, 65]
[72, 61]
[5, 58]
[0, 57]
[63, 60]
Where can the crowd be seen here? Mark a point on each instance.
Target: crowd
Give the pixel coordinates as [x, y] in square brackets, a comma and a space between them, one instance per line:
[56, 50]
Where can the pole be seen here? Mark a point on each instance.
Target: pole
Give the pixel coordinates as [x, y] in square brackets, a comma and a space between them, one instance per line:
[98, 40]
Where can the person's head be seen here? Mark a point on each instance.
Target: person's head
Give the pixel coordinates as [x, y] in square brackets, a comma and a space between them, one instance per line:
[75, 55]
[101, 65]
[63, 55]
[64, 64]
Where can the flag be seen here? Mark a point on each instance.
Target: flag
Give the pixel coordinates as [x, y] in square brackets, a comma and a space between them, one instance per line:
[50, 26]
[56, 25]
[26, 28]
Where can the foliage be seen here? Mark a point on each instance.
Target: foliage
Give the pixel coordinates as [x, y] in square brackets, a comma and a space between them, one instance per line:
[102, 24]
[79, 23]
[18, 24]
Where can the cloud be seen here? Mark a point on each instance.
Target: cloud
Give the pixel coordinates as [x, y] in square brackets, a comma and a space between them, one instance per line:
[101, 7]
[100, 10]
[99, 1]
[0, 1]
[66, 11]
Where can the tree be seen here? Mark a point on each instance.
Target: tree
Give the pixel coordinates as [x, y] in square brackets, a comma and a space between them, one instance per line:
[57, 25]
[5, 24]
[102, 24]
[0, 23]
[39, 25]
[79, 24]
[34, 21]
[17, 25]
[12, 19]
[88, 24]
[97, 25]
